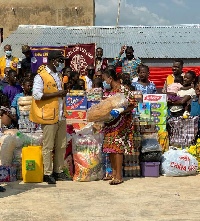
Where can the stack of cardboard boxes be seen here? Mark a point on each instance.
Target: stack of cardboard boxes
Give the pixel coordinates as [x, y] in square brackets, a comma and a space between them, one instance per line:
[76, 107]
[158, 107]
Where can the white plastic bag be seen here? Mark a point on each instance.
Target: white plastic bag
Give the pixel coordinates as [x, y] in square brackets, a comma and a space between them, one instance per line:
[8, 143]
[178, 163]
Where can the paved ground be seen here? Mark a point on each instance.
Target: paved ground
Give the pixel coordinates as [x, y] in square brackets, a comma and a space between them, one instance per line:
[163, 198]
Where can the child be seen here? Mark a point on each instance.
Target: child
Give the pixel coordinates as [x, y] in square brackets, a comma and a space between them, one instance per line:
[27, 91]
[80, 85]
[97, 83]
[185, 93]
[173, 88]
[8, 115]
[12, 88]
[143, 84]
[125, 80]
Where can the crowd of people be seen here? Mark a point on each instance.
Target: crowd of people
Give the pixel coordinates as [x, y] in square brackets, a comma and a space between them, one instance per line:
[49, 87]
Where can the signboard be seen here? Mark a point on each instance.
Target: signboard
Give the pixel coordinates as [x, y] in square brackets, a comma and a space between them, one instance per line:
[40, 57]
[80, 56]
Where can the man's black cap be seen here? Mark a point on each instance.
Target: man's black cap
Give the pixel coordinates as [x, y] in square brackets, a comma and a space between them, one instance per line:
[53, 54]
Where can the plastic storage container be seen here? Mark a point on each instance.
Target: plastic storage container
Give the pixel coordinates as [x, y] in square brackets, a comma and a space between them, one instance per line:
[150, 169]
[32, 164]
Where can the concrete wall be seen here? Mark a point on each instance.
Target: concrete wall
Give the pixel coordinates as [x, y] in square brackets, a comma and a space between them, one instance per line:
[45, 12]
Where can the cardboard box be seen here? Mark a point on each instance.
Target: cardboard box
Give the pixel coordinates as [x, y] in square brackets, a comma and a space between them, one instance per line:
[76, 102]
[161, 128]
[144, 109]
[8, 173]
[77, 124]
[158, 106]
[154, 98]
[91, 103]
[76, 114]
[159, 113]
[160, 120]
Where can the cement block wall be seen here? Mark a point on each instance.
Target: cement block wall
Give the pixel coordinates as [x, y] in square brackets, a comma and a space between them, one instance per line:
[45, 12]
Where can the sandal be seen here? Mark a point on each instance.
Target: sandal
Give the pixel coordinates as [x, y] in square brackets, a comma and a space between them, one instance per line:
[109, 177]
[116, 181]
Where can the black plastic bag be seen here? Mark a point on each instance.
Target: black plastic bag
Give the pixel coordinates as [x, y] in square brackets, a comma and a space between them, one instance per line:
[151, 156]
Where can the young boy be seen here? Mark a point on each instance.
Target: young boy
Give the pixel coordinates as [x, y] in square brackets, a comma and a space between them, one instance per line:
[27, 91]
[12, 88]
[97, 83]
[7, 113]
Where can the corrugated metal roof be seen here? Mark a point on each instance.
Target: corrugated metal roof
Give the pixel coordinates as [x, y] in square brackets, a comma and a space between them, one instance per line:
[180, 41]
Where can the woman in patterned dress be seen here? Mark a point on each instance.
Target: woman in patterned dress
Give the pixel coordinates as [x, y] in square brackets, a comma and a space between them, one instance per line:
[117, 131]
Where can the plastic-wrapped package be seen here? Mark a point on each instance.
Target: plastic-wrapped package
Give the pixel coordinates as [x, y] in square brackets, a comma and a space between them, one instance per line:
[94, 94]
[17, 161]
[87, 157]
[101, 111]
[150, 143]
[27, 139]
[8, 143]
[151, 156]
[178, 163]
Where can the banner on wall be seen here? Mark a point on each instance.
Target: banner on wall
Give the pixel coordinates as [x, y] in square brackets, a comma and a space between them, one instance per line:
[80, 56]
[39, 57]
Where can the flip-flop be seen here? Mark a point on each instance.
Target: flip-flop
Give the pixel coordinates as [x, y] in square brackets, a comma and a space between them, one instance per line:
[116, 181]
[109, 177]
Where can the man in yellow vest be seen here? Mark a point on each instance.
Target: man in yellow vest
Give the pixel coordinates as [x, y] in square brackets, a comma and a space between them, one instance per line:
[8, 61]
[177, 71]
[47, 109]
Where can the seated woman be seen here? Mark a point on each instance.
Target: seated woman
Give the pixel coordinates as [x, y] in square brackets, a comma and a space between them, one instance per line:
[143, 84]
[185, 93]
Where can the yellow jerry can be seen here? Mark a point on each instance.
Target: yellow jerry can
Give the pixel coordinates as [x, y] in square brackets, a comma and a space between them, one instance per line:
[32, 164]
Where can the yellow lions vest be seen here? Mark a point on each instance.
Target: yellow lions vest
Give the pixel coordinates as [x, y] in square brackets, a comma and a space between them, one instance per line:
[46, 111]
[14, 62]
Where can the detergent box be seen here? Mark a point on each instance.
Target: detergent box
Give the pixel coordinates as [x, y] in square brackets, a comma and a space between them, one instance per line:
[76, 102]
[76, 114]
[161, 128]
[158, 106]
[160, 120]
[159, 113]
[154, 98]
[144, 109]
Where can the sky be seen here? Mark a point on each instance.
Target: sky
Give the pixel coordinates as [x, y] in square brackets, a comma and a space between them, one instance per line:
[147, 12]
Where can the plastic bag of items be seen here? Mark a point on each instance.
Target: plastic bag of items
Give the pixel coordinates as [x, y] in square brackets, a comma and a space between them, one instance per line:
[87, 157]
[150, 143]
[8, 144]
[25, 103]
[101, 111]
[151, 156]
[178, 163]
[27, 139]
